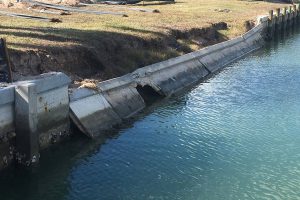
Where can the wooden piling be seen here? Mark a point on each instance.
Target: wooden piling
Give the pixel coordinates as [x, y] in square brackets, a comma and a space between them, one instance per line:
[285, 18]
[271, 12]
[271, 25]
[279, 19]
[290, 20]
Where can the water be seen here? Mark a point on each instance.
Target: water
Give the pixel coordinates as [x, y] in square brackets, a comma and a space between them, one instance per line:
[236, 136]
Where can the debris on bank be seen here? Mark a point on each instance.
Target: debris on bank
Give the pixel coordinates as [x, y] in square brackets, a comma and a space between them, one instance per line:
[43, 10]
[73, 9]
[124, 7]
[11, 14]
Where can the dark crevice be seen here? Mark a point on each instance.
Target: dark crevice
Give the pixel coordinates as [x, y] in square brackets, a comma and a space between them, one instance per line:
[148, 94]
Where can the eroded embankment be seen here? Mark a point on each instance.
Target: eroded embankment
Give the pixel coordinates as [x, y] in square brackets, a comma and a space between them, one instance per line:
[112, 55]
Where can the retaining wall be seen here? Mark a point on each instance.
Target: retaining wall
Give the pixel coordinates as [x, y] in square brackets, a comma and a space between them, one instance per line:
[94, 111]
[37, 111]
[7, 128]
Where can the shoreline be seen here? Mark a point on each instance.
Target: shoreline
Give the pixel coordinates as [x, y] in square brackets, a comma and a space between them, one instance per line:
[98, 48]
[38, 110]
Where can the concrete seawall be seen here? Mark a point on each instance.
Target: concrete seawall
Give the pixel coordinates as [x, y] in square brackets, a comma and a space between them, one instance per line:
[34, 114]
[7, 125]
[117, 99]
[37, 112]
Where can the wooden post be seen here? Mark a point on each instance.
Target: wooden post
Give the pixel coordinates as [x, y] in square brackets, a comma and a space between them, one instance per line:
[271, 15]
[271, 25]
[277, 12]
[285, 17]
[290, 16]
[295, 10]
[278, 24]
[284, 10]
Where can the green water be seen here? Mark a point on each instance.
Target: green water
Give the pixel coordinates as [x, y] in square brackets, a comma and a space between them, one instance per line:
[235, 136]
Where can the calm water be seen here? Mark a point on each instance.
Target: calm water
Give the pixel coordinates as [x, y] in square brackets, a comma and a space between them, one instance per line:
[236, 136]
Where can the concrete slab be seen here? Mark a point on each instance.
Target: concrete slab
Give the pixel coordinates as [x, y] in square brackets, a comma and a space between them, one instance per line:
[122, 95]
[92, 114]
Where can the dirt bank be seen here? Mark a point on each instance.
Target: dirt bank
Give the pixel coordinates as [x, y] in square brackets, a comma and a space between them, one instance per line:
[112, 55]
[102, 47]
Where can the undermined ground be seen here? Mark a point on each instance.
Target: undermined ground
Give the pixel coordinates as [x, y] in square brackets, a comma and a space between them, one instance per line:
[110, 55]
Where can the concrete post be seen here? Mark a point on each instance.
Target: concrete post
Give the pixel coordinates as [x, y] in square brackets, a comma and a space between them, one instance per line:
[27, 140]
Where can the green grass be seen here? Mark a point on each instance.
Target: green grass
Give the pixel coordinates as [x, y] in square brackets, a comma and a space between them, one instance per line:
[125, 43]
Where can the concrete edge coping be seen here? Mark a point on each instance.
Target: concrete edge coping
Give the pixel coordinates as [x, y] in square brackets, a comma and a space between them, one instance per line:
[80, 93]
[163, 65]
[7, 95]
[218, 47]
[262, 19]
[256, 30]
[187, 57]
[200, 53]
[47, 81]
[121, 81]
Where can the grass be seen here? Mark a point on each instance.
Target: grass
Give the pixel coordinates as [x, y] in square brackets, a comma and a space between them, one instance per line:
[121, 44]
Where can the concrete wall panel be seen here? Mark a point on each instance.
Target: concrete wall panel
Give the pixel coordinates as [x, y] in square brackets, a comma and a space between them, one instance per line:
[93, 114]
[122, 95]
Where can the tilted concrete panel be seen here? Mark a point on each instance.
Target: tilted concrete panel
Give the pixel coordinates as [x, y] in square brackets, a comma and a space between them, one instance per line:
[91, 112]
[122, 95]
[218, 56]
[170, 76]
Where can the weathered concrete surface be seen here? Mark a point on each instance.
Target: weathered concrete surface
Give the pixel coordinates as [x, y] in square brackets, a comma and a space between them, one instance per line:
[117, 99]
[26, 123]
[7, 100]
[218, 56]
[122, 95]
[52, 106]
[172, 75]
[7, 128]
[91, 112]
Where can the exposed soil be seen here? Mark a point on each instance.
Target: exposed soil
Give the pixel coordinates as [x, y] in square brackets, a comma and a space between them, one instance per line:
[113, 57]
[91, 48]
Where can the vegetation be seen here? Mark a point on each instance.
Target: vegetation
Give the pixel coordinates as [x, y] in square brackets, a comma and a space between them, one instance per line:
[104, 46]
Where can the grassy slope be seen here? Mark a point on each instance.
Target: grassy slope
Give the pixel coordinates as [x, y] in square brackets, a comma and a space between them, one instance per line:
[127, 40]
